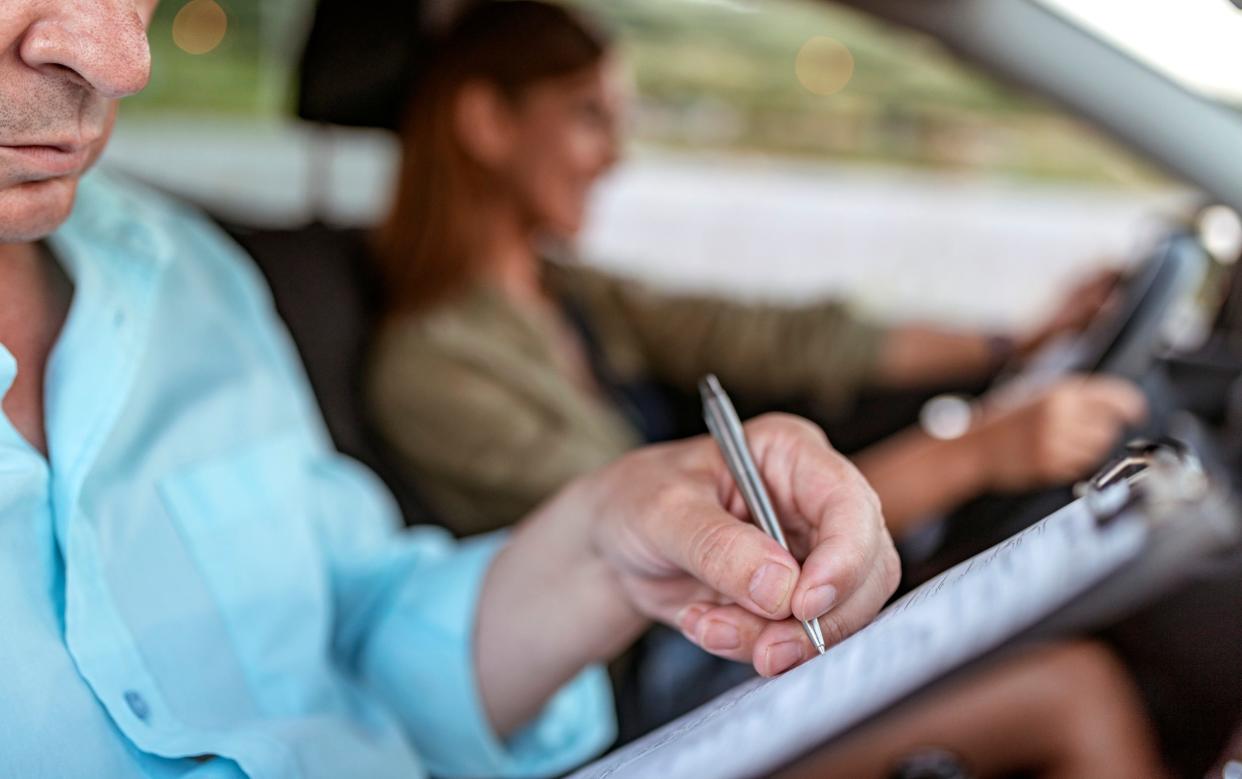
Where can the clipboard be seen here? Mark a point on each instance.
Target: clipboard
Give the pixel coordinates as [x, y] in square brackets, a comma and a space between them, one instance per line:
[1131, 534]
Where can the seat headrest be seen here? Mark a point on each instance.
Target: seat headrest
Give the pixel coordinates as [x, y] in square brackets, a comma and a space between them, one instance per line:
[358, 61]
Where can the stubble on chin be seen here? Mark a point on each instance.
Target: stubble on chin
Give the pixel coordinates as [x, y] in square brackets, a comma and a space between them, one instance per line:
[33, 211]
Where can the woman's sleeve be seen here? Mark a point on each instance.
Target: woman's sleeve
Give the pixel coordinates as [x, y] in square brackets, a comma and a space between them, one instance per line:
[473, 444]
[764, 350]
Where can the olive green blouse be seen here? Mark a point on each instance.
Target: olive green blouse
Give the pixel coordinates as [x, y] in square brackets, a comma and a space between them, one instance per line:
[482, 413]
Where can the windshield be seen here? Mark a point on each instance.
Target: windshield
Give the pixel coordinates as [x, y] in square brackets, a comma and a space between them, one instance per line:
[1197, 43]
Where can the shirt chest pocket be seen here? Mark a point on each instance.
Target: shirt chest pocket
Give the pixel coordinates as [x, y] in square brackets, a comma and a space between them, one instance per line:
[245, 519]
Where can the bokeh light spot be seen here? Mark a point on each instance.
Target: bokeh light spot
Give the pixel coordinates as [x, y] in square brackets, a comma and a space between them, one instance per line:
[1220, 230]
[824, 65]
[946, 417]
[200, 26]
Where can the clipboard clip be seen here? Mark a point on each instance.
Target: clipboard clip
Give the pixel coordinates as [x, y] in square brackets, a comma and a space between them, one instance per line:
[1162, 473]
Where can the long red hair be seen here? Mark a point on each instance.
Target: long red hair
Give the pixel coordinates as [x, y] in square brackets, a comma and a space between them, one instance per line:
[426, 247]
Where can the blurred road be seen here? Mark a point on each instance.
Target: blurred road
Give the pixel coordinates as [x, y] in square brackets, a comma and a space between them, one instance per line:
[905, 244]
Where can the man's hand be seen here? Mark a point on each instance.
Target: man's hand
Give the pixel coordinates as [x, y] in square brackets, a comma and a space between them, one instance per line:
[663, 534]
[673, 527]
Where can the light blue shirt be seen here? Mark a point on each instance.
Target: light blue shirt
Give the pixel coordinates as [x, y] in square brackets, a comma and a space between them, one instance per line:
[195, 572]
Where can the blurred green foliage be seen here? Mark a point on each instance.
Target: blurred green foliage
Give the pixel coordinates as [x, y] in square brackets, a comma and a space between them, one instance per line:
[719, 75]
[731, 63]
[246, 75]
[747, 52]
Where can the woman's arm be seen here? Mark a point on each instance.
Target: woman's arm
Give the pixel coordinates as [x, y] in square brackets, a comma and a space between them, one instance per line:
[761, 350]
[918, 355]
[1059, 435]
[924, 356]
[919, 477]
[821, 350]
[661, 534]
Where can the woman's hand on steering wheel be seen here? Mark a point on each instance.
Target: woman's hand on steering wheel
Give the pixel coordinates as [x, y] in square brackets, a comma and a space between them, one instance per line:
[1075, 313]
[1056, 436]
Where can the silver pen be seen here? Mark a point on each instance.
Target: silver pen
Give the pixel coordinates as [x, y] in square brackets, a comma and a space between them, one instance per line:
[726, 428]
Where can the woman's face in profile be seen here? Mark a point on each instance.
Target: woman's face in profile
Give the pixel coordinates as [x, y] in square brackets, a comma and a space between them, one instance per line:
[566, 133]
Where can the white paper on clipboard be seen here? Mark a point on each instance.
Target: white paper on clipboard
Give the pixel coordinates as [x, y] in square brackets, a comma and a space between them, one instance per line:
[961, 614]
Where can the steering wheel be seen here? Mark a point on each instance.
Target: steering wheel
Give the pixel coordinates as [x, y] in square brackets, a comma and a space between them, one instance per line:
[1124, 342]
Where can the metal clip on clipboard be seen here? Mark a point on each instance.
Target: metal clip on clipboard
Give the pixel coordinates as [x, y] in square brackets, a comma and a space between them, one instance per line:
[1192, 523]
[1162, 474]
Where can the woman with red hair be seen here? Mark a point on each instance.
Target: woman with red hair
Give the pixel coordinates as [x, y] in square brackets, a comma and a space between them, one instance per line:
[525, 371]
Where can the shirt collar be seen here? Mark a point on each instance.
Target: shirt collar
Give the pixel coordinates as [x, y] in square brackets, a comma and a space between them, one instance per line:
[115, 247]
[111, 222]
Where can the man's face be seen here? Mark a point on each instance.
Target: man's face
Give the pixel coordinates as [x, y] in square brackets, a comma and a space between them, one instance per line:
[63, 66]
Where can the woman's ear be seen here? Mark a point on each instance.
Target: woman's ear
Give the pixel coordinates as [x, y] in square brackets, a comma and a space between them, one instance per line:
[482, 121]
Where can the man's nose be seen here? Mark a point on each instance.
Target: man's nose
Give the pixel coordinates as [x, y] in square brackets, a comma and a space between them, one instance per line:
[101, 44]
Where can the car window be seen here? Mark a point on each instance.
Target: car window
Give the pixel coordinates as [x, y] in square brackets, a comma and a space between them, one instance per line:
[798, 78]
[795, 149]
[818, 80]
[784, 148]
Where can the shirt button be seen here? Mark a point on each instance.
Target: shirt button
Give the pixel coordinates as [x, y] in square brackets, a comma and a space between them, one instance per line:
[138, 705]
[118, 319]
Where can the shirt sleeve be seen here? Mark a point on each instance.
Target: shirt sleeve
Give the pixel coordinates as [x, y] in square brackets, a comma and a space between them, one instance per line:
[768, 351]
[406, 605]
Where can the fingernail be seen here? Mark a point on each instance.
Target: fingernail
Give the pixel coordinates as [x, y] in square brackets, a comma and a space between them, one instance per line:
[721, 636]
[817, 601]
[689, 617]
[783, 656]
[769, 587]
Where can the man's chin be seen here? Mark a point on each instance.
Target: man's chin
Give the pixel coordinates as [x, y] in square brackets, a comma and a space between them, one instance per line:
[33, 210]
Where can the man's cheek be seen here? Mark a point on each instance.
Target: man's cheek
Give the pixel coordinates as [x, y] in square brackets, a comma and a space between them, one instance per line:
[109, 124]
[98, 112]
